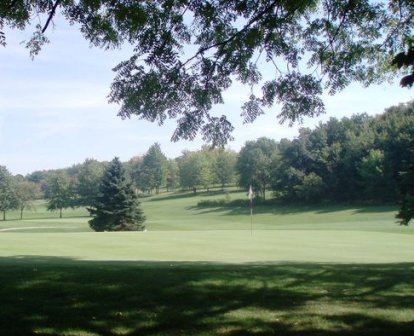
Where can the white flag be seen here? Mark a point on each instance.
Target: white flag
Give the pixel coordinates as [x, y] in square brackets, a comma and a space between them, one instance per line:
[250, 194]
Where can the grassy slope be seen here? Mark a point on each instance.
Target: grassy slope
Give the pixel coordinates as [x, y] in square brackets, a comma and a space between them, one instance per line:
[199, 271]
[180, 212]
[179, 230]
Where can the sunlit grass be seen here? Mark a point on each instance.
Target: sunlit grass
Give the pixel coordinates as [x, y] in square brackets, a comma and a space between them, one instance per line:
[201, 270]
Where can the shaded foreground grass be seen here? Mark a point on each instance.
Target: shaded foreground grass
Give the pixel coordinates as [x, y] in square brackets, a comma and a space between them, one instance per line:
[62, 296]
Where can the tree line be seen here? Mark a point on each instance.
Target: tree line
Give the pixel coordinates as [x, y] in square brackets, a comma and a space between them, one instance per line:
[361, 158]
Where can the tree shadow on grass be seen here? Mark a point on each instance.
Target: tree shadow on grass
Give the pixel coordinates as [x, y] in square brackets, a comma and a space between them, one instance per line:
[275, 208]
[189, 194]
[54, 296]
[172, 196]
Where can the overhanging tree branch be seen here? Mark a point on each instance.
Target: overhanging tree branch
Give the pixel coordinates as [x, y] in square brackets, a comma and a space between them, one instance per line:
[232, 37]
[51, 15]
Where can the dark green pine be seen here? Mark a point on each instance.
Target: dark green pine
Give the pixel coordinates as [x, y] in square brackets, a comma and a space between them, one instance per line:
[117, 207]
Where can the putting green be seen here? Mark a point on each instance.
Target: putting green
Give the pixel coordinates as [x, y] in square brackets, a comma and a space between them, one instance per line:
[234, 246]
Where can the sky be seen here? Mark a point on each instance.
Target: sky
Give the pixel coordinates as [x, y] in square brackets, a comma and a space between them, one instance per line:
[54, 110]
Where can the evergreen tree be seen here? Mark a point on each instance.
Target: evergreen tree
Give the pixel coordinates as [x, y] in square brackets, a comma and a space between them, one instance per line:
[116, 207]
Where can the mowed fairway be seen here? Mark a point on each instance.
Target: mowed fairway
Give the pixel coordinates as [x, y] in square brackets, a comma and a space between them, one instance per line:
[204, 271]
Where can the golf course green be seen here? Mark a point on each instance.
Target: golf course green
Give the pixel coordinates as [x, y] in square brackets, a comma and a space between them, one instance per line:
[206, 269]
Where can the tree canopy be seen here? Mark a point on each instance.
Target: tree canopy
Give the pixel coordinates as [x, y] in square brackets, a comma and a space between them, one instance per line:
[254, 164]
[60, 193]
[188, 52]
[8, 200]
[153, 170]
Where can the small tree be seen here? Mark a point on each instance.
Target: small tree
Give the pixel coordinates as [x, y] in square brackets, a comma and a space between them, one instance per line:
[60, 192]
[116, 208]
[172, 175]
[194, 170]
[225, 167]
[254, 164]
[7, 195]
[87, 186]
[26, 192]
[406, 212]
[153, 170]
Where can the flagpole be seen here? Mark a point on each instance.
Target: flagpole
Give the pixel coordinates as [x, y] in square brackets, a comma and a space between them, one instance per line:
[251, 218]
[250, 194]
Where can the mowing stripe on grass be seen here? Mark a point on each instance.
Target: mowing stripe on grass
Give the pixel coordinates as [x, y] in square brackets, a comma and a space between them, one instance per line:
[35, 228]
[216, 246]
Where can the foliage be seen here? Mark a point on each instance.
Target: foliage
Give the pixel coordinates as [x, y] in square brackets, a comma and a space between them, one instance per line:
[355, 159]
[194, 170]
[187, 53]
[311, 188]
[153, 169]
[132, 168]
[254, 164]
[8, 200]
[26, 192]
[116, 207]
[372, 172]
[87, 184]
[225, 167]
[172, 175]
[406, 212]
[60, 192]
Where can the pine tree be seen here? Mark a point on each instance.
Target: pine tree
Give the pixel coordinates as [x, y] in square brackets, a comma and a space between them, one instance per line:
[117, 207]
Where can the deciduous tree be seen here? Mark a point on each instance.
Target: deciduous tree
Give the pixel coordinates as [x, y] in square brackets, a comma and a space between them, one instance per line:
[26, 192]
[88, 180]
[172, 174]
[8, 200]
[195, 170]
[187, 53]
[153, 169]
[60, 192]
[225, 167]
[255, 162]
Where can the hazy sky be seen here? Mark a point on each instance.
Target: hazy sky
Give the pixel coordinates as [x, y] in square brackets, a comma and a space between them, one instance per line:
[54, 110]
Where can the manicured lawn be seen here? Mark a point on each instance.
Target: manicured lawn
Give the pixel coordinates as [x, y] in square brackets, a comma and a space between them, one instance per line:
[276, 246]
[200, 270]
[60, 296]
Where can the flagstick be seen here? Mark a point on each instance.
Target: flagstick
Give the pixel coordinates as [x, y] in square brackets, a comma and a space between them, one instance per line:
[251, 219]
[250, 194]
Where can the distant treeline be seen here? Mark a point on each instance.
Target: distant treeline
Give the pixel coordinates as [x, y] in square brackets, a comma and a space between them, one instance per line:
[362, 158]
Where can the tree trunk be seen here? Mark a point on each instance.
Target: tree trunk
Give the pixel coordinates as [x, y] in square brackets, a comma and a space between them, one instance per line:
[60, 213]
[21, 213]
[4, 215]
